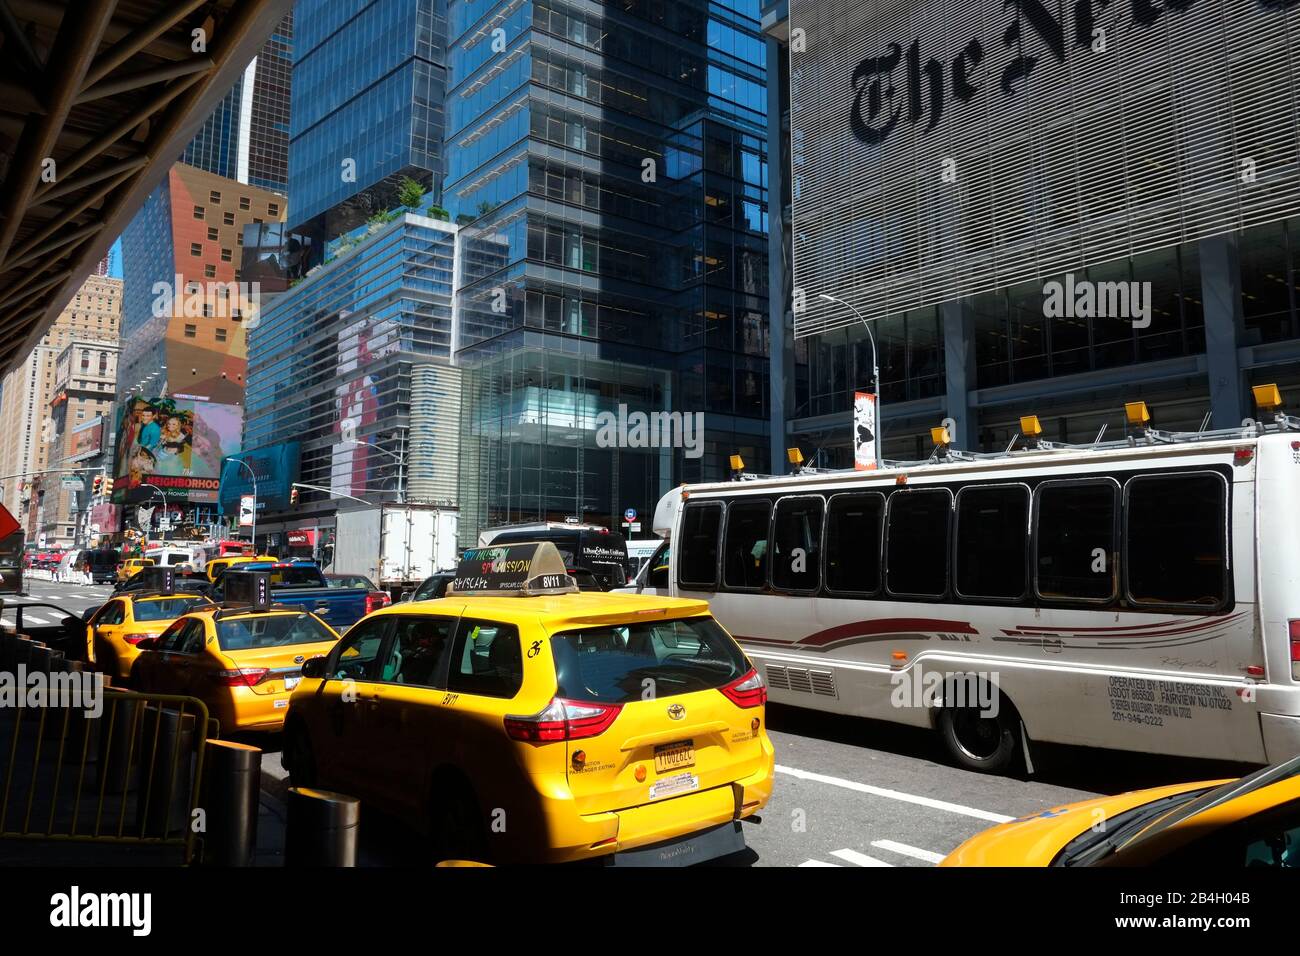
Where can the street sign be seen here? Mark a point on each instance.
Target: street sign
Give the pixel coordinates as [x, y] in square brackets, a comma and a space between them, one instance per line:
[629, 515]
[72, 483]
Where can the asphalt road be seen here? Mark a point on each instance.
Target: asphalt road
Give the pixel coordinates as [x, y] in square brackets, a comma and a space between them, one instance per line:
[854, 792]
[73, 598]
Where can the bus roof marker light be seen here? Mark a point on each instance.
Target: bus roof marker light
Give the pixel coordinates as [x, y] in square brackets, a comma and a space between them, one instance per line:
[1030, 427]
[1267, 397]
[795, 457]
[737, 467]
[1137, 413]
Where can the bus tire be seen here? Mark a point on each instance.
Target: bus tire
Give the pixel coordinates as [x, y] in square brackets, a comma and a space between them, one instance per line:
[980, 743]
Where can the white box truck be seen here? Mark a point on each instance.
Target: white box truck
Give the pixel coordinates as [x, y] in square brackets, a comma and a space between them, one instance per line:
[396, 546]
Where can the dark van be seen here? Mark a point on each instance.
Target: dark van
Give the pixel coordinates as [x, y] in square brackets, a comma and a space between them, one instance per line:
[103, 564]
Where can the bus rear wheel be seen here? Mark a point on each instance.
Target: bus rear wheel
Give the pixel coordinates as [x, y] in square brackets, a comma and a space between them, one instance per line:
[979, 741]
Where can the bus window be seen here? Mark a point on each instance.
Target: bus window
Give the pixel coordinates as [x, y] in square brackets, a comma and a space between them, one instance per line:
[697, 568]
[992, 542]
[1175, 536]
[853, 543]
[796, 544]
[1074, 540]
[916, 543]
[744, 551]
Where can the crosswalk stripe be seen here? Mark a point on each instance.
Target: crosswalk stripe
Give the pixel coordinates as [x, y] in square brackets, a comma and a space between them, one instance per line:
[861, 859]
[902, 849]
[817, 863]
[34, 619]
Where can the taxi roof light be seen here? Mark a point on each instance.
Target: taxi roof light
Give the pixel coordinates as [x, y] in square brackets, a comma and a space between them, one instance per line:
[527, 569]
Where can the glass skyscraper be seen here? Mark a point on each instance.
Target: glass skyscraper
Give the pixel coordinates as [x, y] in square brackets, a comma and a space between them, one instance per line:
[368, 87]
[607, 163]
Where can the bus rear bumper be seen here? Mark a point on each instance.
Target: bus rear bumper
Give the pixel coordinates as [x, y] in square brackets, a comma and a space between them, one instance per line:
[1281, 736]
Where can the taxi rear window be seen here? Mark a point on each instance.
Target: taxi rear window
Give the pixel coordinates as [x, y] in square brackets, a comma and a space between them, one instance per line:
[278, 630]
[167, 608]
[620, 663]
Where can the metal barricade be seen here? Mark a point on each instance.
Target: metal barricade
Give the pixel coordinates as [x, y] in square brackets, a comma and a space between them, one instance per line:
[92, 764]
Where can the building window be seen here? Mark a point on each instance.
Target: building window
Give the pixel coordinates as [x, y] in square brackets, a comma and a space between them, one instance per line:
[212, 233]
[272, 209]
[228, 218]
[196, 249]
[210, 270]
[245, 202]
[198, 212]
[226, 255]
[191, 331]
[220, 334]
[214, 196]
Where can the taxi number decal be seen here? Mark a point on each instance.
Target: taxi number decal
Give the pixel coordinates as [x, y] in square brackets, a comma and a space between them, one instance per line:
[450, 699]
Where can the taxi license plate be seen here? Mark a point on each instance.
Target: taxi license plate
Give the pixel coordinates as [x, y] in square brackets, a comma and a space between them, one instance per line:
[291, 682]
[674, 756]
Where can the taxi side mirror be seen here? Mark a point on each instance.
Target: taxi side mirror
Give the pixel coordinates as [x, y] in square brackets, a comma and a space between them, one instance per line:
[315, 667]
[149, 643]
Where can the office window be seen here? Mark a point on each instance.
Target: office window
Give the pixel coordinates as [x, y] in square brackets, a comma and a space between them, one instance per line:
[272, 209]
[916, 542]
[196, 249]
[220, 334]
[698, 565]
[228, 218]
[796, 543]
[245, 203]
[214, 196]
[212, 233]
[744, 548]
[992, 542]
[853, 543]
[1074, 540]
[225, 255]
[191, 331]
[1176, 539]
[198, 212]
[210, 270]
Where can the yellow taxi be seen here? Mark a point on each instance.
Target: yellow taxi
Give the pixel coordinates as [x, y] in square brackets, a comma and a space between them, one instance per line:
[519, 719]
[242, 658]
[214, 567]
[130, 566]
[1253, 821]
[114, 632]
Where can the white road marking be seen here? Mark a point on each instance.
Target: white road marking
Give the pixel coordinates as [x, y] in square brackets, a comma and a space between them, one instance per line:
[33, 619]
[895, 795]
[861, 859]
[902, 849]
[817, 863]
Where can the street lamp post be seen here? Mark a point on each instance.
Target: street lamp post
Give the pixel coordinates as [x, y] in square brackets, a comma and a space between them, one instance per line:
[875, 369]
[252, 474]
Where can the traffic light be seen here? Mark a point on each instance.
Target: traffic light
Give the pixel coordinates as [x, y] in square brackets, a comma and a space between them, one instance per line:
[96, 486]
[107, 488]
[293, 497]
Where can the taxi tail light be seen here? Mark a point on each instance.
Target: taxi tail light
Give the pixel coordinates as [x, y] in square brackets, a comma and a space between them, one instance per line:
[747, 691]
[137, 638]
[563, 720]
[377, 599]
[241, 676]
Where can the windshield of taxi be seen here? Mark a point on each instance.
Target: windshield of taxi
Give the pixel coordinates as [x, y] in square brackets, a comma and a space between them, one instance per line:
[166, 608]
[270, 630]
[612, 664]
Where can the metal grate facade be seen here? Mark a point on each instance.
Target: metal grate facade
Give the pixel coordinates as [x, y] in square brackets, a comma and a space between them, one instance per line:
[941, 149]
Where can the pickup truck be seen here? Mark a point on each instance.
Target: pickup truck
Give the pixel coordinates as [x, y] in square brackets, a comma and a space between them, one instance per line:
[301, 583]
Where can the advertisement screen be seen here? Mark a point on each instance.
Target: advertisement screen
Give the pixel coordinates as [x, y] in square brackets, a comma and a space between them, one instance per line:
[174, 445]
[276, 468]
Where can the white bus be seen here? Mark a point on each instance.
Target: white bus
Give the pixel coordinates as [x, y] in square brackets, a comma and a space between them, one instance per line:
[1137, 596]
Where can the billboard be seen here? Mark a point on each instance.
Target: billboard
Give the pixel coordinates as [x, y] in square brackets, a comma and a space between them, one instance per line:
[176, 446]
[943, 150]
[88, 439]
[276, 467]
[360, 345]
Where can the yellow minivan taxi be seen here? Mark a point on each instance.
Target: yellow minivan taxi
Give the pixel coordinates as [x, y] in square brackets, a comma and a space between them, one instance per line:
[130, 566]
[214, 567]
[541, 724]
[1214, 825]
[114, 632]
[243, 662]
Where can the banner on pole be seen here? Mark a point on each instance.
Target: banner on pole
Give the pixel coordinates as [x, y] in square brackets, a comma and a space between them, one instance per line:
[246, 505]
[864, 431]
